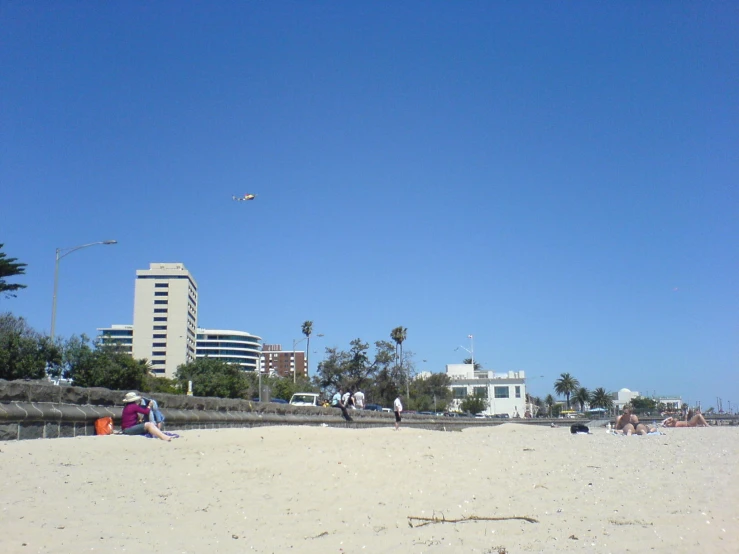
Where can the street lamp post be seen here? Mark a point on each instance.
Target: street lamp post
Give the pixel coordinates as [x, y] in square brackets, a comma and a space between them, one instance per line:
[295, 368]
[61, 253]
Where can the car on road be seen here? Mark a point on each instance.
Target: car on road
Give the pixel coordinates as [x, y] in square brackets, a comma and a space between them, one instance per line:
[373, 407]
[305, 399]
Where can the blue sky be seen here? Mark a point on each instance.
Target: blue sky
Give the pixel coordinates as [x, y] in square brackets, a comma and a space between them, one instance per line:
[557, 179]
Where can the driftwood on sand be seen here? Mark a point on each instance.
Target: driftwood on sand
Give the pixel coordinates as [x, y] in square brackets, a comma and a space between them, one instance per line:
[442, 519]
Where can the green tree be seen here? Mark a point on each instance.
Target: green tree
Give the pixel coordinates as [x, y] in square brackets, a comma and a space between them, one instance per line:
[102, 365]
[549, 401]
[307, 330]
[601, 399]
[474, 403]
[25, 353]
[582, 397]
[399, 334]
[642, 403]
[477, 366]
[211, 377]
[431, 393]
[10, 267]
[565, 386]
[284, 387]
[355, 369]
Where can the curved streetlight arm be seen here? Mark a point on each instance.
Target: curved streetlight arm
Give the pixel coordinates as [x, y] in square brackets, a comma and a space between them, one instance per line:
[61, 253]
[68, 251]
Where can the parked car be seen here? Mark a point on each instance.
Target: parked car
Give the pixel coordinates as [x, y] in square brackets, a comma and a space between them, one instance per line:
[502, 416]
[373, 407]
[305, 399]
[278, 401]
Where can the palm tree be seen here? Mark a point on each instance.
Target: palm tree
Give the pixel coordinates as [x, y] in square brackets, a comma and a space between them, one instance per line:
[549, 401]
[601, 399]
[399, 334]
[307, 330]
[582, 397]
[566, 385]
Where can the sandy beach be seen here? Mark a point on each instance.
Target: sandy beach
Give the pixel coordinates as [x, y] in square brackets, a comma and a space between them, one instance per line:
[319, 489]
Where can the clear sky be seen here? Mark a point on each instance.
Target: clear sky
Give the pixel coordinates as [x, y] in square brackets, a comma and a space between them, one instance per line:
[557, 179]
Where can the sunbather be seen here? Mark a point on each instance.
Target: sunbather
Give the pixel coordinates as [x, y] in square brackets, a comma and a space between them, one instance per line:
[696, 421]
[628, 423]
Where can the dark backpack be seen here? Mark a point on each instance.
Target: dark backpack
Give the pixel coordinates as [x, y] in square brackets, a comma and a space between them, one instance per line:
[579, 428]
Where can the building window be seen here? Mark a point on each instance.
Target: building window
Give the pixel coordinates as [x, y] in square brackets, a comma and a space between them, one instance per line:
[480, 392]
[161, 319]
[160, 336]
[160, 302]
[459, 392]
[161, 285]
[518, 391]
[160, 310]
[502, 392]
[160, 327]
[161, 293]
[159, 345]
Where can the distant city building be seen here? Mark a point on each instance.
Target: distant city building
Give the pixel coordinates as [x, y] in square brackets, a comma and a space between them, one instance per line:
[117, 335]
[276, 361]
[165, 317]
[623, 397]
[505, 392]
[236, 347]
[672, 402]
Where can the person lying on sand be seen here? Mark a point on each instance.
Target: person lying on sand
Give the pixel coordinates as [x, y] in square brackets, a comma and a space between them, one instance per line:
[696, 421]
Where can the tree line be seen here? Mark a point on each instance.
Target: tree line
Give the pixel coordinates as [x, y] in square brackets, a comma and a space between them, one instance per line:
[569, 387]
[382, 374]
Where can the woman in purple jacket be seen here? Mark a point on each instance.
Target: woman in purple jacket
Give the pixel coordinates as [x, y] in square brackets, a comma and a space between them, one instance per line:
[130, 418]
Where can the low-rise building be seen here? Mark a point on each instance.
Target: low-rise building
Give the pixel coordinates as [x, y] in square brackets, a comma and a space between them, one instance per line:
[276, 361]
[505, 392]
[235, 347]
[120, 336]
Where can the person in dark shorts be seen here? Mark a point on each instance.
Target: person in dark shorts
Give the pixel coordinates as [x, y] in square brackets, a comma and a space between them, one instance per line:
[398, 409]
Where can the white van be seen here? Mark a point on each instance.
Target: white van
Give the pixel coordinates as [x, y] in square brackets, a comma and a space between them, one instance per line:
[305, 399]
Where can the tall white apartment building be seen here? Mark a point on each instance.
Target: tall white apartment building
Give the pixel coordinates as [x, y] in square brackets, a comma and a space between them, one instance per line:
[165, 317]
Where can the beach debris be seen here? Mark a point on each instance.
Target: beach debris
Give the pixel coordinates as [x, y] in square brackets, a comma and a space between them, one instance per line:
[324, 534]
[573, 537]
[442, 519]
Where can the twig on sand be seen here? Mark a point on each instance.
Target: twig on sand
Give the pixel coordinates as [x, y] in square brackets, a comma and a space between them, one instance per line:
[430, 520]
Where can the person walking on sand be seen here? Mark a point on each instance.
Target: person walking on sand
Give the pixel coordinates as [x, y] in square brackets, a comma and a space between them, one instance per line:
[129, 418]
[398, 409]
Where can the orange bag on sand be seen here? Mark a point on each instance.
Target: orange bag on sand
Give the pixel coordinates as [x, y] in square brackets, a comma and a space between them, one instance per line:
[104, 426]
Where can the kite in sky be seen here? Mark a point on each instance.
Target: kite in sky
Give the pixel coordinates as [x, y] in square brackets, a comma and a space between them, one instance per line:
[245, 197]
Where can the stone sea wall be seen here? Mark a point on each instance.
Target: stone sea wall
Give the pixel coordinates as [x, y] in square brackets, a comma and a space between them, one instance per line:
[38, 409]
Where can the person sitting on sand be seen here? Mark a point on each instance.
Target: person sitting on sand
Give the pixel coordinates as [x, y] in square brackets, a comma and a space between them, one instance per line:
[129, 418]
[628, 423]
[696, 421]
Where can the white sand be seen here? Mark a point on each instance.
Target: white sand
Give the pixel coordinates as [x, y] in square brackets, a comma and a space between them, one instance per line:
[312, 489]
